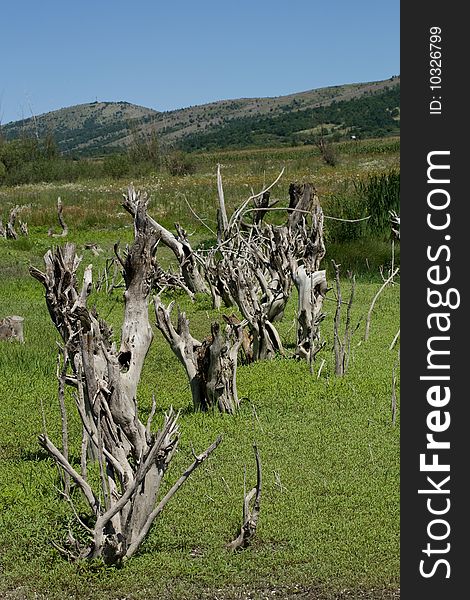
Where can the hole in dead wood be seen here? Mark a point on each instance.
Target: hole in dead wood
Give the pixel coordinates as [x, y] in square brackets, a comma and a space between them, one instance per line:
[125, 360]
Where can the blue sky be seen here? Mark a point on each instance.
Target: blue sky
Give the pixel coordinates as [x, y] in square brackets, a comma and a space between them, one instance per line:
[177, 53]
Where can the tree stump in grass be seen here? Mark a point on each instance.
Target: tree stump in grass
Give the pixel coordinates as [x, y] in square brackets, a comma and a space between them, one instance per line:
[11, 328]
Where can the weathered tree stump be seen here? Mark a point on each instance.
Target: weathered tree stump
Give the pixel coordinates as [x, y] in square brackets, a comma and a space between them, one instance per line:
[302, 199]
[8, 231]
[132, 460]
[62, 223]
[250, 515]
[211, 365]
[311, 285]
[11, 328]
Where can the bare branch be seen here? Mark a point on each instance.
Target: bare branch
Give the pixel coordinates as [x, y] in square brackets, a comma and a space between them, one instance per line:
[223, 212]
[46, 443]
[374, 300]
[250, 517]
[172, 491]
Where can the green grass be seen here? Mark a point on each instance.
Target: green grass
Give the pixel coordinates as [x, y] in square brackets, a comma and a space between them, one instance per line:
[330, 455]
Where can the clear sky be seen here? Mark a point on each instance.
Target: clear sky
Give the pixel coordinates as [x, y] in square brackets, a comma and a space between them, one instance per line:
[167, 54]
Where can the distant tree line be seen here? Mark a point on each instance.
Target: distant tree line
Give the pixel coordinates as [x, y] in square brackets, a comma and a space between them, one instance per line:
[32, 160]
[373, 115]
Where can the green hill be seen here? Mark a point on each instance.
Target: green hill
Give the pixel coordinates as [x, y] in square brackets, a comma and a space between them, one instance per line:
[99, 128]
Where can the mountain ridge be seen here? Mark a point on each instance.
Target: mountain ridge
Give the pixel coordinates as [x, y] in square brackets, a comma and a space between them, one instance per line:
[105, 127]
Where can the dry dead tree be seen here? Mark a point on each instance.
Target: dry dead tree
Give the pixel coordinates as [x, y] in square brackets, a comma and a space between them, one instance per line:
[167, 280]
[246, 347]
[243, 275]
[23, 228]
[179, 245]
[342, 347]
[250, 517]
[310, 282]
[110, 278]
[132, 460]
[262, 206]
[11, 328]
[211, 365]
[302, 199]
[219, 289]
[255, 266]
[248, 268]
[296, 252]
[62, 223]
[8, 231]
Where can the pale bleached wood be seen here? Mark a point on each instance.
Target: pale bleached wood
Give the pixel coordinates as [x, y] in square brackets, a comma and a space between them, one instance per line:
[132, 460]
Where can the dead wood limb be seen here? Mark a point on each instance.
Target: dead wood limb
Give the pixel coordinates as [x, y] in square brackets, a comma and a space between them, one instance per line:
[61, 377]
[253, 269]
[374, 300]
[198, 460]
[243, 282]
[179, 245]
[94, 248]
[310, 282]
[24, 228]
[222, 220]
[247, 341]
[303, 198]
[221, 385]
[60, 459]
[262, 206]
[238, 214]
[395, 223]
[342, 345]
[395, 340]
[165, 280]
[62, 223]
[250, 516]
[311, 290]
[191, 264]
[9, 230]
[211, 365]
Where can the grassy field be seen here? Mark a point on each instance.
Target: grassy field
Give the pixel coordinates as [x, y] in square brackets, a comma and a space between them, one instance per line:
[329, 524]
